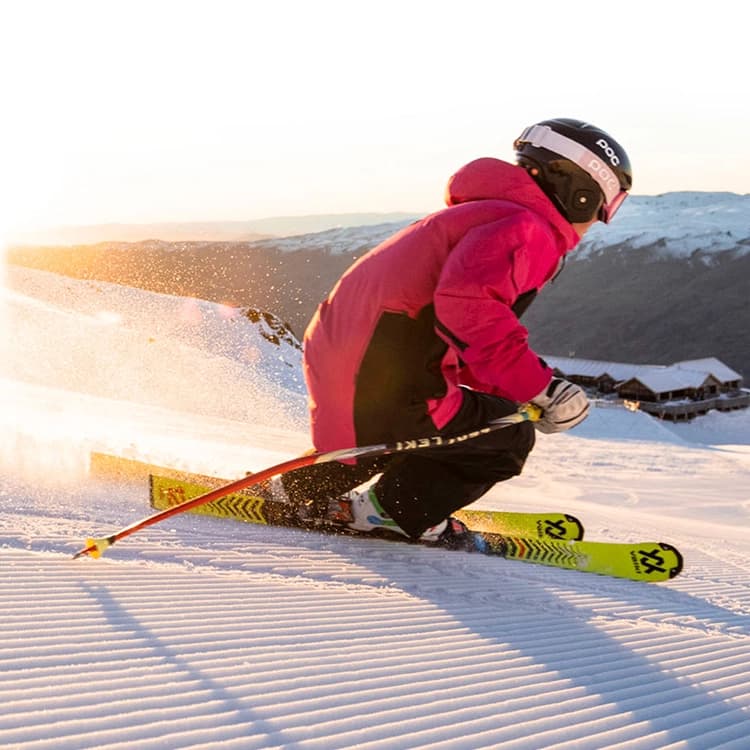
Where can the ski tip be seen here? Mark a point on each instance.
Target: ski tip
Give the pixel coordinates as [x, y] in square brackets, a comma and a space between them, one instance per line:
[577, 529]
[676, 569]
[94, 548]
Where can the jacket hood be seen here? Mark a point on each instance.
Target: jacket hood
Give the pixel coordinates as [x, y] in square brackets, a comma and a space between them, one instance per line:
[494, 179]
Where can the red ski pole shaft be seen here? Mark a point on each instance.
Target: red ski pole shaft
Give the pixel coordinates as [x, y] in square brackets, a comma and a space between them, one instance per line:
[96, 547]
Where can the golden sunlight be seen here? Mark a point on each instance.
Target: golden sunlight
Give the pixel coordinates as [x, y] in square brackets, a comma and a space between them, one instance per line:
[4, 333]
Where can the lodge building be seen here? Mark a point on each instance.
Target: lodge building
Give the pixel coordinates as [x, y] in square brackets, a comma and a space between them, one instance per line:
[679, 391]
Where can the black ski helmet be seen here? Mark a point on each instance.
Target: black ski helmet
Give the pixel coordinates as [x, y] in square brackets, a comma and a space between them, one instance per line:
[580, 168]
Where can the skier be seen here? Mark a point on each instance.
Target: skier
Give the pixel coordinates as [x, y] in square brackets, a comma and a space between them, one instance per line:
[421, 336]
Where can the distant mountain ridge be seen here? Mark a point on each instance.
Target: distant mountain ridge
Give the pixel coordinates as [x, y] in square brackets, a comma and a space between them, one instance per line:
[205, 231]
[666, 281]
[677, 224]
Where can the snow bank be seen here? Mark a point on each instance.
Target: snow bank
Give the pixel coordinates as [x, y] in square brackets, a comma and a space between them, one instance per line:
[716, 428]
[617, 423]
[124, 343]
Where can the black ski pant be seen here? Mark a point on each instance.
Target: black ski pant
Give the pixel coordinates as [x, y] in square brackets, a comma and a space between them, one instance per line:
[420, 489]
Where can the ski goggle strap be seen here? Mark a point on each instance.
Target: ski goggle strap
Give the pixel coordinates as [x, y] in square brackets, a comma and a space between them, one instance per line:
[542, 136]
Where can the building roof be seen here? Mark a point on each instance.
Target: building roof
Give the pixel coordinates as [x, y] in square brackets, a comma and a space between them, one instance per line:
[595, 368]
[668, 379]
[711, 365]
[692, 373]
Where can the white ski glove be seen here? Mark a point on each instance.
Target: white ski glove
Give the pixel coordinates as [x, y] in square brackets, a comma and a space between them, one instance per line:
[564, 405]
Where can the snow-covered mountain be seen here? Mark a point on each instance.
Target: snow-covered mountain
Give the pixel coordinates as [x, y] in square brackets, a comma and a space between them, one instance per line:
[682, 222]
[677, 224]
[204, 633]
[666, 281]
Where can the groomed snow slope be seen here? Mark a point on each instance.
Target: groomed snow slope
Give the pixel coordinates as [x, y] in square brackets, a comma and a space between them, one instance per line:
[205, 633]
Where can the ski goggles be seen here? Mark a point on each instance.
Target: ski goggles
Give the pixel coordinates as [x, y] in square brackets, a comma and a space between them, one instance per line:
[542, 136]
[608, 210]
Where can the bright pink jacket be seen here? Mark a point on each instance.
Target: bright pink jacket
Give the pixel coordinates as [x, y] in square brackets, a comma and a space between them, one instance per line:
[499, 239]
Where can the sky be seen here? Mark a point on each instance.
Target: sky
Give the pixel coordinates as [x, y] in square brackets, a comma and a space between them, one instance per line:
[139, 112]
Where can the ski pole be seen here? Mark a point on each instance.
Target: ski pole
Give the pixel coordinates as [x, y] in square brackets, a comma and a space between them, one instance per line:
[96, 547]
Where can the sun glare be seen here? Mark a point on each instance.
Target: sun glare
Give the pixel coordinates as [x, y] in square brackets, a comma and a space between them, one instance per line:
[3, 313]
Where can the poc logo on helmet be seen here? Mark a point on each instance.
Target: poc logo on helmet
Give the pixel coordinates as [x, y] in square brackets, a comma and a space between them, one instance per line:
[614, 159]
[603, 175]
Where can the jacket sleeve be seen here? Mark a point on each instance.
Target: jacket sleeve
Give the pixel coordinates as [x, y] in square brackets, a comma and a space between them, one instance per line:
[487, 271]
